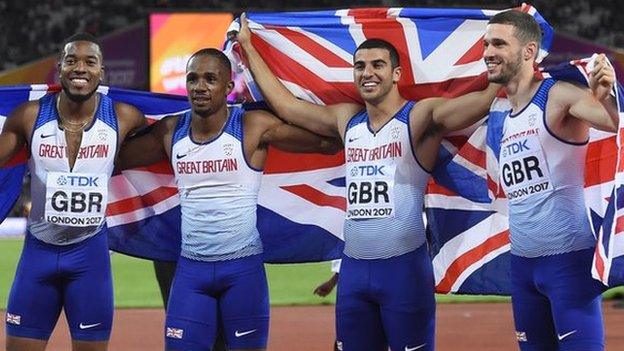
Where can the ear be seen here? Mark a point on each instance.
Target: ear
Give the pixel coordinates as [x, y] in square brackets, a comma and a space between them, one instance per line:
[396, 74]
[102, 76]
[530, 51]
[229, 87]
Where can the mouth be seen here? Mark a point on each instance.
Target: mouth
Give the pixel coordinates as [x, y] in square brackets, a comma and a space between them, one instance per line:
[369, 85]
[79, 83]
[201, 100]
[492, 64]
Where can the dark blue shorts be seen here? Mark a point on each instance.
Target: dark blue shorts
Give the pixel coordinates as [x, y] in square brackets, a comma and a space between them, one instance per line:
[556, 303]
[76, 278]
[386, 302]
[233, 293]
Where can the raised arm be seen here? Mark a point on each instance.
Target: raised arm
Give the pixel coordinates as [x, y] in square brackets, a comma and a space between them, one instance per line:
[462, 111]
[146, 147]
[13, 135]
[323, 120]
[131, 120]
[291, 138]
[597, 108]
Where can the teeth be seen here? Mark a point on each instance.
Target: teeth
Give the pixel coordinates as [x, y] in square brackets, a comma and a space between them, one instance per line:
[370, 84]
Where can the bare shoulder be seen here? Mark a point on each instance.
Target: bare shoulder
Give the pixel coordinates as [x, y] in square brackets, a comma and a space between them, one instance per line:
[128, 113]
[563, 91]
[24, 116]
[345, 111]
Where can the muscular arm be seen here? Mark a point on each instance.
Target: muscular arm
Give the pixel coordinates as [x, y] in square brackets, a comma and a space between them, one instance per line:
[580, 103]
[13, 136]
[463, 111]
[294, 139]
[147, 147]
[130, 120]
[323, 120]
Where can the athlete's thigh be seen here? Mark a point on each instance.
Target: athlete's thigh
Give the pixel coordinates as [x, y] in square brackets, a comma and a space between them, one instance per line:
[88, 299]
[191, 321]
[535, 330]
[576, 299]
[35, 300]
[358, 317]
[408, 302]
[244, 303]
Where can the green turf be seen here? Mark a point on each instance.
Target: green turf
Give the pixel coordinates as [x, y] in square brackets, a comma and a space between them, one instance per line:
[289, 284]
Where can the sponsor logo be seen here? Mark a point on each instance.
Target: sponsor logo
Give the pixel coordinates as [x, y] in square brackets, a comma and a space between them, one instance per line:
[47, 136]
[521, 336]
[532, 119]
[61, 181]
[239, 334]
[13, 319]
[338, 345]
[353, 139]
[178, 156]
[88, 326]
[395, 133]
[228, 149]
[563, 336]
[101, 133]
[174, 333]
[415, 347]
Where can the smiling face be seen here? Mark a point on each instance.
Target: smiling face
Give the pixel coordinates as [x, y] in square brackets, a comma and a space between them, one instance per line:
[208, 84]
[81, 70]
[504, 55]
[373, 74]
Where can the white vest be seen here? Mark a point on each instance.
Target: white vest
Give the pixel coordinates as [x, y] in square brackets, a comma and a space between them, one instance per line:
[69, 205]
[218, 192]
[385, 189]
[543, 178]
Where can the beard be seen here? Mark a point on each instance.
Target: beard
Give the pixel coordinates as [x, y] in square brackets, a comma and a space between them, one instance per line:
[78, 97]
[508, 71]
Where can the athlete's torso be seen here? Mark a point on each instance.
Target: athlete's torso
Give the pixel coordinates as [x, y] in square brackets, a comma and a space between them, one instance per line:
[218, 192]
[69, 205]
[543, 177]
[385, 188]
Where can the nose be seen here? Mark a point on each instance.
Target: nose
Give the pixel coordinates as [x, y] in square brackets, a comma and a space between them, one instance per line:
[201, 85]
[368, 71]
[80, 66]
[488, 51]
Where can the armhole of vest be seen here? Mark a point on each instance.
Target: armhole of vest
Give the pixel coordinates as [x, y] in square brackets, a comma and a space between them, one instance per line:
[116, 121]
[348, 126]
[179, 124]
[545, 92]
[34, 127]
[240, 119]
[411, 145]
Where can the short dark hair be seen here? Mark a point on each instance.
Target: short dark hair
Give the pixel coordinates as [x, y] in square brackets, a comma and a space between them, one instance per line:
[526, 27]
[215, 53]
[81, 37]
[376, 43]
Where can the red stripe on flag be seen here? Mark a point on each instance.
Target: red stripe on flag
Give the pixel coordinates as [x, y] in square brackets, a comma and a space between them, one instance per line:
[600, 266]
[457, 140]
[469, 258]
[284, 162]
[619, 225]
[19, 159]
[162, 167]
[475, 53]
[290, 70]
[309, 45]
[600, 162]
[138, 202]
[435, 188]
[316, 197]
[472, 154]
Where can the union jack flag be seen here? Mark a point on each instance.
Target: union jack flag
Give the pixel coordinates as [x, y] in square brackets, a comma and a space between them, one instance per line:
[13, 319]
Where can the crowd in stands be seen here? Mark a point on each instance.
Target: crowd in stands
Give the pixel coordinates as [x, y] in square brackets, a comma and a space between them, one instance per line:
[32, 28]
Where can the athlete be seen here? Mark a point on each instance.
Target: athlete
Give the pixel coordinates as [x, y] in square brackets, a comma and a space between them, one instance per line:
[73, 137]
[386, 287]
[217, 154]
[556, 302]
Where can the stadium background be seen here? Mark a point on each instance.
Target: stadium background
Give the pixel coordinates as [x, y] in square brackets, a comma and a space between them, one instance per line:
[158, 33]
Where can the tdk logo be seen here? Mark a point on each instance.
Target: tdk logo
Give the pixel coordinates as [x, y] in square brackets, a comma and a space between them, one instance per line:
[83, 181]
[367, 170]
[514, 148]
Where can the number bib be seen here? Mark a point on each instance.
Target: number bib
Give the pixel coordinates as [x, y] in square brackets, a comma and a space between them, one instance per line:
[76, 199]
[524, 171]
[370, 191]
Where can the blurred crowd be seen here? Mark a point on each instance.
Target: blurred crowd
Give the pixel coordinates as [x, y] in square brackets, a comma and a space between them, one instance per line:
[33, 28]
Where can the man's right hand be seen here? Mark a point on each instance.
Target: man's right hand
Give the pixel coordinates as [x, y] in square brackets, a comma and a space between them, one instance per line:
[244, 34]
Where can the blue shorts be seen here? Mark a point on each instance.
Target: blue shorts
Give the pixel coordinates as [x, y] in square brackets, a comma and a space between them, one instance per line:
[556, 303]
[386, 302]
[76, 278]
[232, 293]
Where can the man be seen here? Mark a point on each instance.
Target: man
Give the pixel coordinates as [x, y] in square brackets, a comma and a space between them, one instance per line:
[386, 286]
[217, 153]
[556, 302]
[73, 137]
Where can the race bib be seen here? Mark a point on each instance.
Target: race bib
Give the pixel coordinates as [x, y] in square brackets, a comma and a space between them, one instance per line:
[524, 171]
[76, 199]
[370, 191]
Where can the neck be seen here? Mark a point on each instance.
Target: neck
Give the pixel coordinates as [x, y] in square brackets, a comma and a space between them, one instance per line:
[211, 124]
[381, 111]
[76, 111]
[521, 88]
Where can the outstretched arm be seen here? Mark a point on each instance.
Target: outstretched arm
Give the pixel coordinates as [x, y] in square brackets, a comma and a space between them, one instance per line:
[145, 148]
[13, 135]
[319, 119]
[290, 138]
[463, 111]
